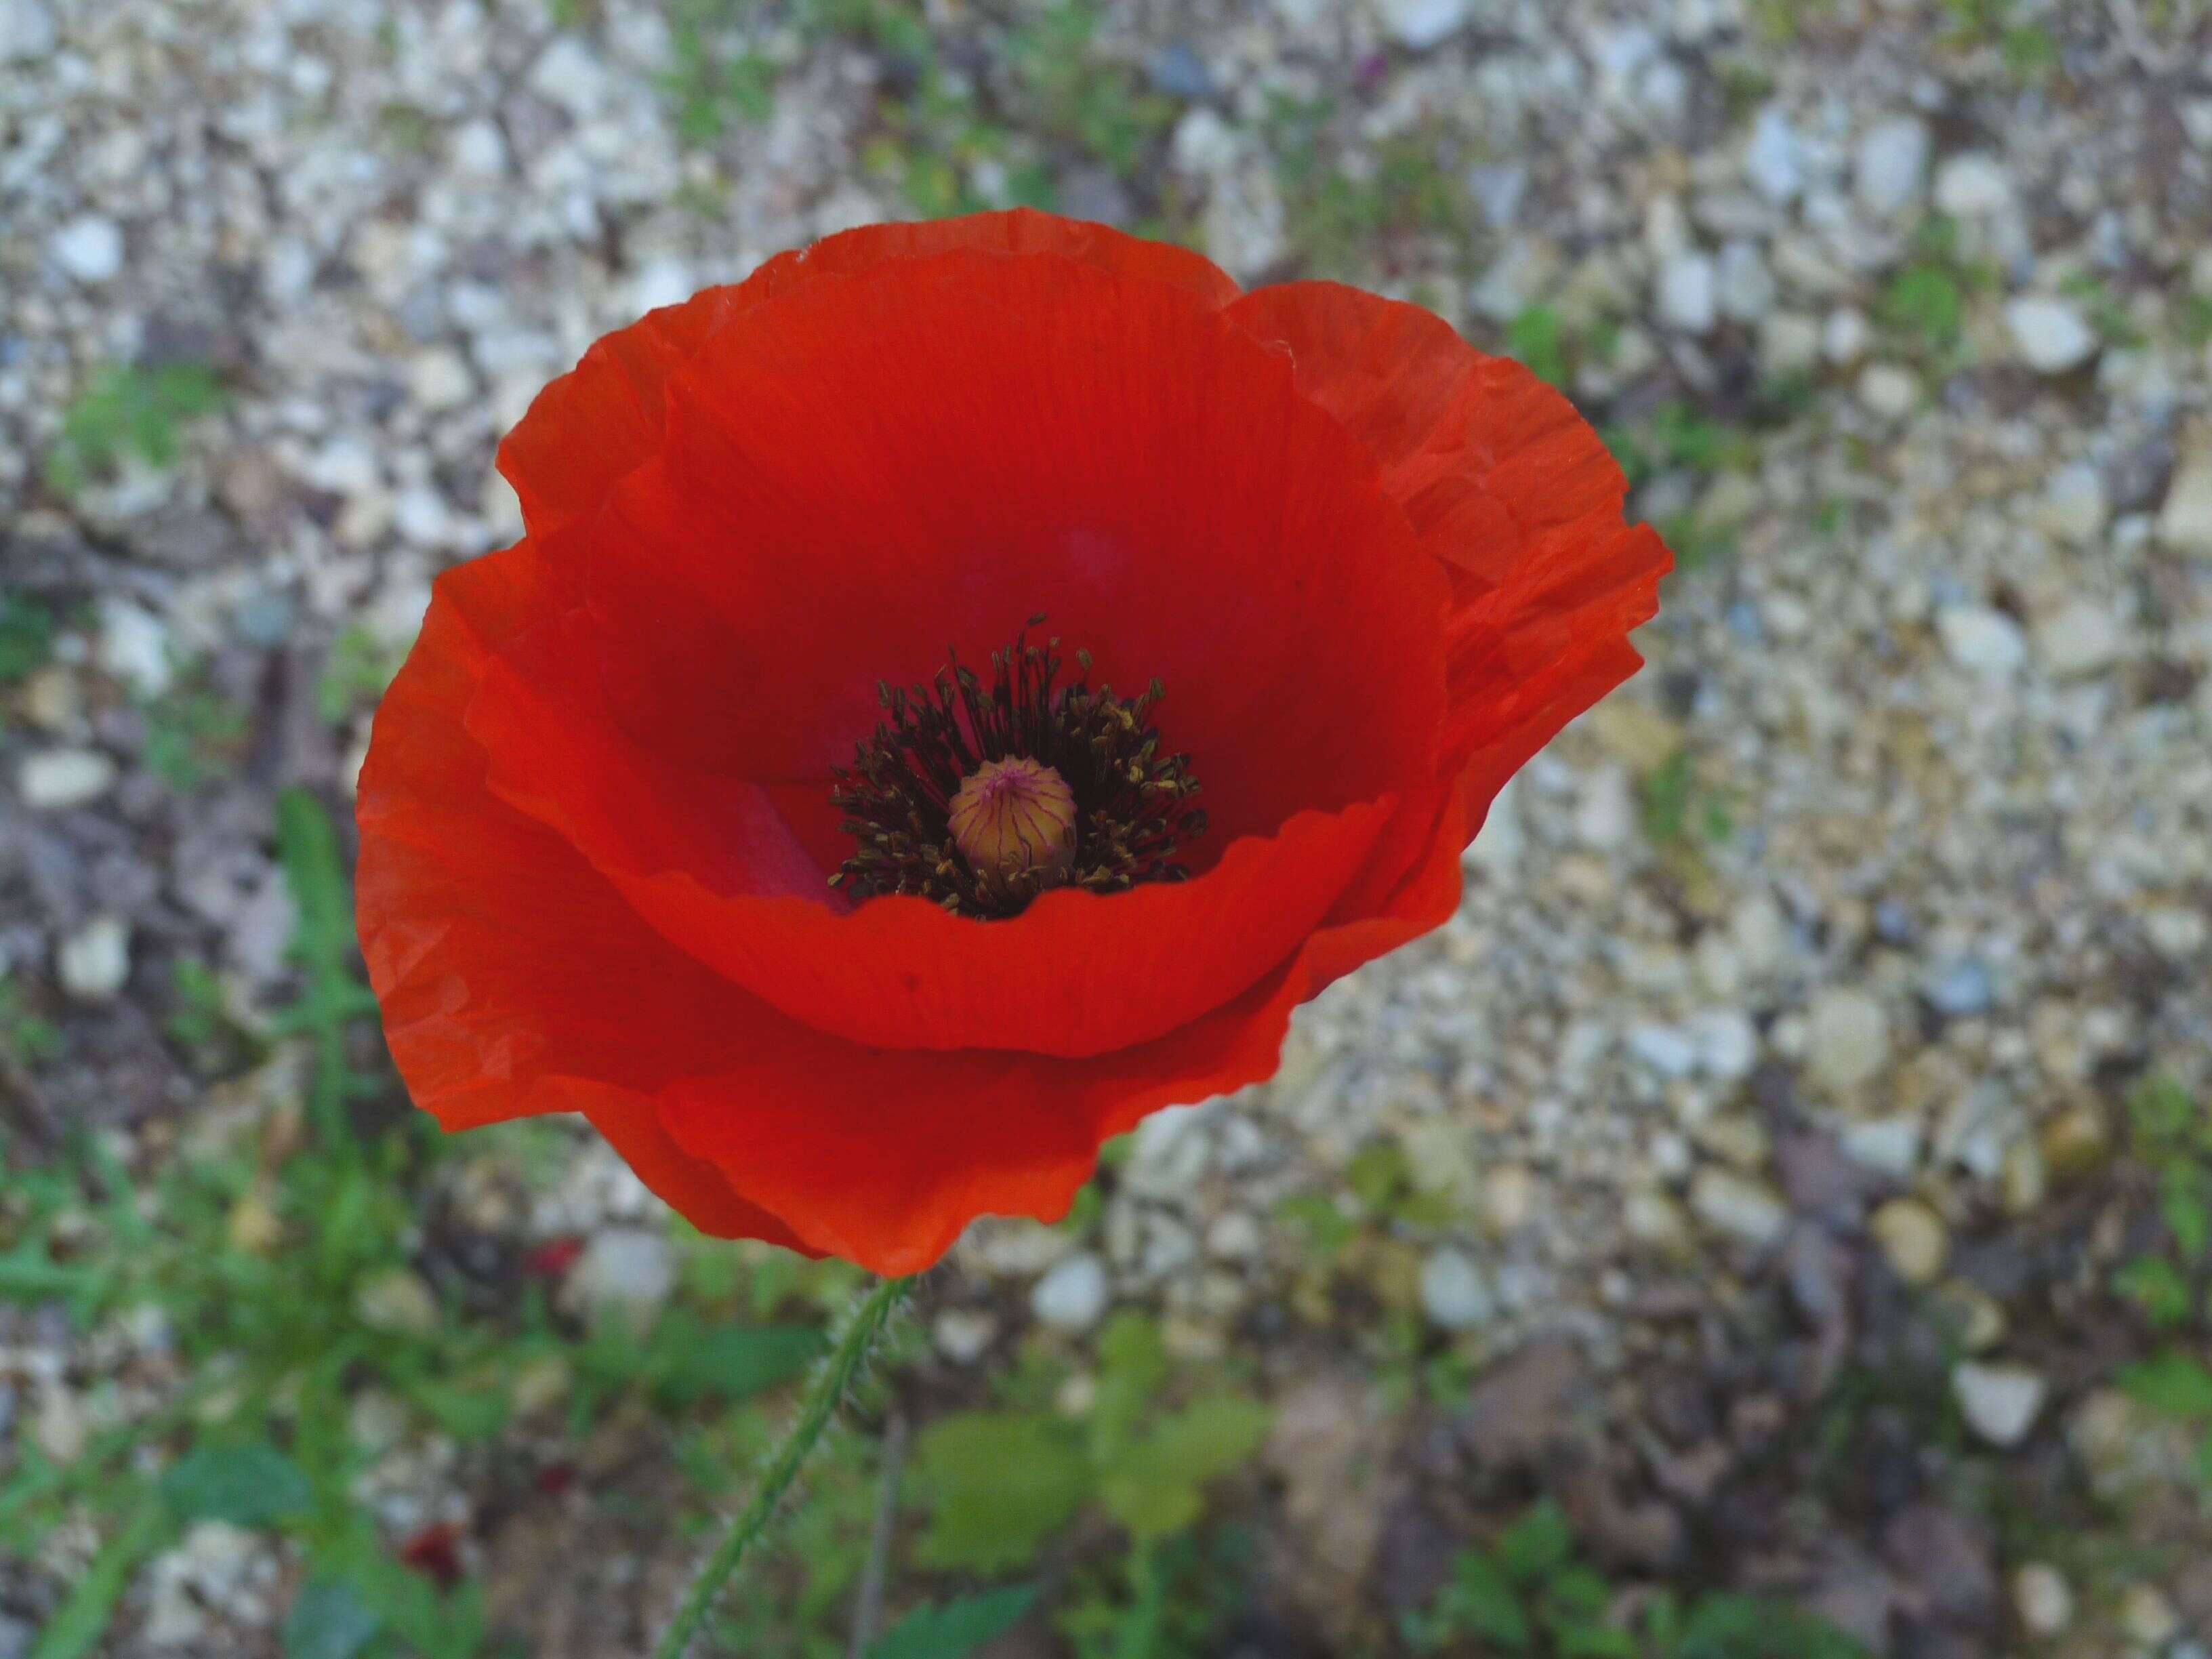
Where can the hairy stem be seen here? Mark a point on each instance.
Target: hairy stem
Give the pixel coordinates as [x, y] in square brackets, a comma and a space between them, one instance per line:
[825, 1393]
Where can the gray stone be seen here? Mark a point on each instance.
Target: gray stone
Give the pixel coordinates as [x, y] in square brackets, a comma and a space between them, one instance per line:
[1972, 185]
[1456, 1293]
[2184, 522]
[2080, 639]
[1890, 165]
[1743, 1209]
[1746, 286]
[1846, 1039]
[26, 34]
[1071, 1295]
[1961, 989]
[2000, 1402]
[1913, 1238]
[624, 1273]
[93, 963]
[59, 780]
[1689, 293]
[1774, 160]
[1982, 640]
[1417, 25]
[2050, 333]
[2044, 1599]
[89, 248]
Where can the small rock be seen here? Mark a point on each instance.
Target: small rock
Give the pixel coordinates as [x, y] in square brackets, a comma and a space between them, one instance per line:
[1973, 186]
[2050, 334]
[963, 1335]
[440, 380]
[61, 779]
[568, 73]
[1846, 1039]
[398, 1302]
[624, 1273]
[1745, 286]
[1774, 160]
[93, 963]
[1960, 990]
[2175, 933]
[1689, 294]
[2185, 523]
[2075, 1142]
[2042, 1597]
[1845, 336]
[1981, 640]
[1891, 165]
[1788, 343]
[2074, 506]
[1666, 1051]
[1912, 1236]
[1456, 1293]
[1742, 1208]
[89, 248]
[2000, 1402]
[1071, 1295]
[2078, 640]
[26, 32]
[1417, 25]
[2148, 1616]
[1888, 1145]
[1179, 72]
[134, 647]
[15, 1636]
[1889, 389]
[540, 1385]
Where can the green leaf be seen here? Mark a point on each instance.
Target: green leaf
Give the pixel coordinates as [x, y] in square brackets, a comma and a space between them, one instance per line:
[2174, 1385]
[1133, 1368]
[997, 1484]
[249, 1483]
[2155, 1285]
[1157, 1486]
[691, 1360]
[1482, 1603]
[2181, 1203]
[328, 1620]
[958, 1627]
[1536, 1545]
[78, 1624]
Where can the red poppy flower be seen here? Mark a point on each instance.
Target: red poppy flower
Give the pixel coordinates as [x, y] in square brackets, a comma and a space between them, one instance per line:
[1347, 572]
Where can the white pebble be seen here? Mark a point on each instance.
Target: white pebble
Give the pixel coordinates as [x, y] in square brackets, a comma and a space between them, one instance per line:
[2050, 334]
[2000, 1402]
[1892, 164]
[61, 779]
[1456, 1293]
[94, 961]
[1982, 640]
[1071, 1295]
[89, 248]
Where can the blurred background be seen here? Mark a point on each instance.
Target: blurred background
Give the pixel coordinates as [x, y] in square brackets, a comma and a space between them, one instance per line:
[1771, 1219]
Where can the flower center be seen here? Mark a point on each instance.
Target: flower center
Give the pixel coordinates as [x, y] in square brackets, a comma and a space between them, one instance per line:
[981, 797]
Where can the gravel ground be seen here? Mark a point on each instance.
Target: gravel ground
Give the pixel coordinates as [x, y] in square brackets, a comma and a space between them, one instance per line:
[1783, 1043]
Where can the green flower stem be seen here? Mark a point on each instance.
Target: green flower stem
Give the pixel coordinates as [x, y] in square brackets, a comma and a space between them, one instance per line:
[825, 1393]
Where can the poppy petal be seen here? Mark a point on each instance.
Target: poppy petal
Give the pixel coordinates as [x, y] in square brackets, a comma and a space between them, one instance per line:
[882, 1158]
[850, 512]
[1503, 482]
[594, 424]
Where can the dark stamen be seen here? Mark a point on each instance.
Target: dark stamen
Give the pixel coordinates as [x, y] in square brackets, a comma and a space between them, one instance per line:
[1131, 800]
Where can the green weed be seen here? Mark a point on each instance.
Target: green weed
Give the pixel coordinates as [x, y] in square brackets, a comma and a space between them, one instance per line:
[194, 734]
[1531, 1594]
[2170, 1134]
[997, 1484]
[130, 411]
[353, 675]
[27, 635]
